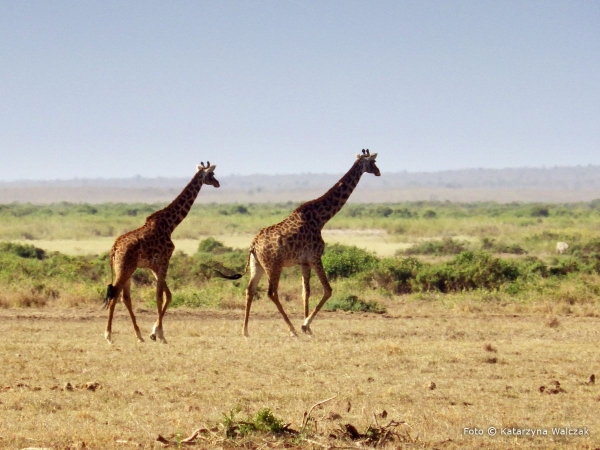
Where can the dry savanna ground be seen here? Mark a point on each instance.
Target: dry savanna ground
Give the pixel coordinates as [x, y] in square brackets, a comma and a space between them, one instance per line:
[434, 369]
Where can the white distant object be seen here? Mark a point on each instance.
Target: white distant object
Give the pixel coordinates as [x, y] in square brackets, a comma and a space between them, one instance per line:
[562, 247]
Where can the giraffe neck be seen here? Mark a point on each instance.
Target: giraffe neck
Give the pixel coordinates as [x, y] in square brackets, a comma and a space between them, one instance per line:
[174, 213]
[328, 205]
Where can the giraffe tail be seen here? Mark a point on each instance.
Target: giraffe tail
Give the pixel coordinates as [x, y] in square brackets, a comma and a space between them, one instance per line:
[110, 294]
[236, 276]
[110, 289]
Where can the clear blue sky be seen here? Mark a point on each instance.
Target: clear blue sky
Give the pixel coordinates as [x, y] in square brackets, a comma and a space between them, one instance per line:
[119, 88]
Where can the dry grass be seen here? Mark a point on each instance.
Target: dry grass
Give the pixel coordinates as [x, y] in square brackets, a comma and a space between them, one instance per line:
[125, 395]
[379, 242]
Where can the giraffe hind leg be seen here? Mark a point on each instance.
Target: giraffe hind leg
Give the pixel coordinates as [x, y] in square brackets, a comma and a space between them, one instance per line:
[113, 292]
[256, 272]
[110, 294]
[274, 296]
[127, 302]
[112, 297]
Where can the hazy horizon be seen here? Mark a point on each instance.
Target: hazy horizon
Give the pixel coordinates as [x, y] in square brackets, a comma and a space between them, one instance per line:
[328, 174]
[118, 89]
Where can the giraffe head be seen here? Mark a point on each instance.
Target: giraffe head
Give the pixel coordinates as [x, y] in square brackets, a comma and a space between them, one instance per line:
[208, 175]
[366, 161]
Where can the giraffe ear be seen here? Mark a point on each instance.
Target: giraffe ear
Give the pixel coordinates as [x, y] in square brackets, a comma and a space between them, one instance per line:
[199, 168]
[373, 156]
[358, 156]
[212, 168]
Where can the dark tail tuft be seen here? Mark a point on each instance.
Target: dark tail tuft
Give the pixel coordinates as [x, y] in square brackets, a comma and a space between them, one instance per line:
[110, 293]
[237, 276]
[220, 274]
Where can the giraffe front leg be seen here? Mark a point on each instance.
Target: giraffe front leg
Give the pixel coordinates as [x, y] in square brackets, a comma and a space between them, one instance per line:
[306, 294]
[167, 292]
[157, 328]
[157, 332]
[318, 266]
[274, 296]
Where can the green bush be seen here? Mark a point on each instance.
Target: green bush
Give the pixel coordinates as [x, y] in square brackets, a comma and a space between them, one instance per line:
[211, 254]
[491, 245]
[396, 275]
[211, 245]
[565, 265]
[532, 266]
[341, 261]
[22, 250]
[586, 250]
[587, 254]
[383, 211]
[540, 211]
[263, 421]
[234, 209]
[446, 246]
[405, 213]
[354, 304]
[467, 271]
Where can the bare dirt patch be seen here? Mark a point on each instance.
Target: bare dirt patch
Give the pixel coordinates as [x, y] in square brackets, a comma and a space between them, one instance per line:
[62, 386]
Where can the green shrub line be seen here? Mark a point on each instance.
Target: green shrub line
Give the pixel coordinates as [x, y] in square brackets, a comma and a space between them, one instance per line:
[487, 249]
[531, 223]
[49, 275]
[446, 246]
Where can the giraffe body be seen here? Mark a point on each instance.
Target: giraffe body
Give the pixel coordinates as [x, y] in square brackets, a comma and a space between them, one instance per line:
[151, 247]
[297, 240]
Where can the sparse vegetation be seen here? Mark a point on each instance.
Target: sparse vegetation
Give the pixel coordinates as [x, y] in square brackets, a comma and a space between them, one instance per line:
[405, 373]
[475, 274]
[477, 247]
[352, 303]
[446, 246]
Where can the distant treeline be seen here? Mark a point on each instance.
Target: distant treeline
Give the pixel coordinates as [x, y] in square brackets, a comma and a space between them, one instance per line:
[557, 178]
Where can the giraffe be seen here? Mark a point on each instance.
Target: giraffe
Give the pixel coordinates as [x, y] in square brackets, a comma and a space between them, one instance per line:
[150, 247]
[296, 241]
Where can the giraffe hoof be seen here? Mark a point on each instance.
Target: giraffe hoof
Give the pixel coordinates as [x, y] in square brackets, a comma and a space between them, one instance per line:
[153, 337]
[306, 329]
